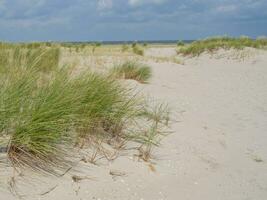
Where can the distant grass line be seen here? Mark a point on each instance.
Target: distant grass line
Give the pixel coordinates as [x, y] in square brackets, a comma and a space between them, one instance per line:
[46, 112]
[213, 44]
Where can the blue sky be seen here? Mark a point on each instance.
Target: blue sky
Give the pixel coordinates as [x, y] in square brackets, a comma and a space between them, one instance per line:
[85, 20]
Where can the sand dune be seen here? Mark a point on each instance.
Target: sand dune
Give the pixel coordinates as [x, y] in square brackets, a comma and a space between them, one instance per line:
[217, 149]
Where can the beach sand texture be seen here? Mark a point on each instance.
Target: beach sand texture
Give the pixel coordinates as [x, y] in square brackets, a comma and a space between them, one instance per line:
[217, 148]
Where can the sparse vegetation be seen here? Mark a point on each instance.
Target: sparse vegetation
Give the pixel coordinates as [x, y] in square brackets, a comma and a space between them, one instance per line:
[157, 117]
[95, 46]
[172, 59]
[132, 70]
[213, 44]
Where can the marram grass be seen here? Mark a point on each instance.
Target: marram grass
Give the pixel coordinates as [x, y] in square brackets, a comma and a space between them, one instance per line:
[42, 120]
[45, 116]
[137, 49]
[37, 120]
[213, 44]
[132, 70]
[42, 58]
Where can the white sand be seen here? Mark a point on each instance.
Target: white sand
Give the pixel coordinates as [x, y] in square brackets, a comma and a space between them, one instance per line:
[217, 151]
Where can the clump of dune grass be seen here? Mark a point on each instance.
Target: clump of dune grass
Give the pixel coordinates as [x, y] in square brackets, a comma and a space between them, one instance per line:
[132, 70]
[47, 114]
[44, 120]
[180, 43]
[98, 44]
[138, 50]
[134, 44]
[145, 44]
[124, 47]
[36, 120]
[213, 44]
[44, 117]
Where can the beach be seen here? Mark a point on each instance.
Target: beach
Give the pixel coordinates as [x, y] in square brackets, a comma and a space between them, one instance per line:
[216, 147]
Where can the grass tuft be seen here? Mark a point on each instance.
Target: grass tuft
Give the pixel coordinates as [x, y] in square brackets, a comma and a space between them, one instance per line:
[124, 48]
[137, 49]
[132, 70]
[180, 43]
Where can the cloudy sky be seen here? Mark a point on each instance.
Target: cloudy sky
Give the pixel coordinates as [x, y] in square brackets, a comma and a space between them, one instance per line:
[85, 20]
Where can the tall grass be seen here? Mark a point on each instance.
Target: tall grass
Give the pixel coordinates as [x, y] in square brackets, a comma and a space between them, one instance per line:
[213, 44]
[21, 56]
[37, 120]
[132, 70]
[42, 120]
[33, 118]
[45, 116]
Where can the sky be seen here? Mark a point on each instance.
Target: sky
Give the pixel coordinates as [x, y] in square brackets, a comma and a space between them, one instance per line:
[117, 20]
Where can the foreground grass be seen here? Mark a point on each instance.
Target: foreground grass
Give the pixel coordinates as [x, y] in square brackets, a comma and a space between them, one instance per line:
[213, 44]
[43, 121]
[132, 70]
[46, 111]
[20, 56]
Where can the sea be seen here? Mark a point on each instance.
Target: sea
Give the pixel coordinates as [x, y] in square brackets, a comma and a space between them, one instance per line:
[134, 41]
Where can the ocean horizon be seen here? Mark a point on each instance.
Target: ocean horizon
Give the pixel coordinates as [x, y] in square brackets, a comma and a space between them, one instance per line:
[133, 41]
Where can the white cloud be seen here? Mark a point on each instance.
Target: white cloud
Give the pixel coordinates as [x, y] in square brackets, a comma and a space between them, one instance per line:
[226, 8]
[141, 2]
[104, 4]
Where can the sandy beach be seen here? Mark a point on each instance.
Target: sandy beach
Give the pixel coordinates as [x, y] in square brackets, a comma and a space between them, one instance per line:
[217, 148]
[133, 100]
